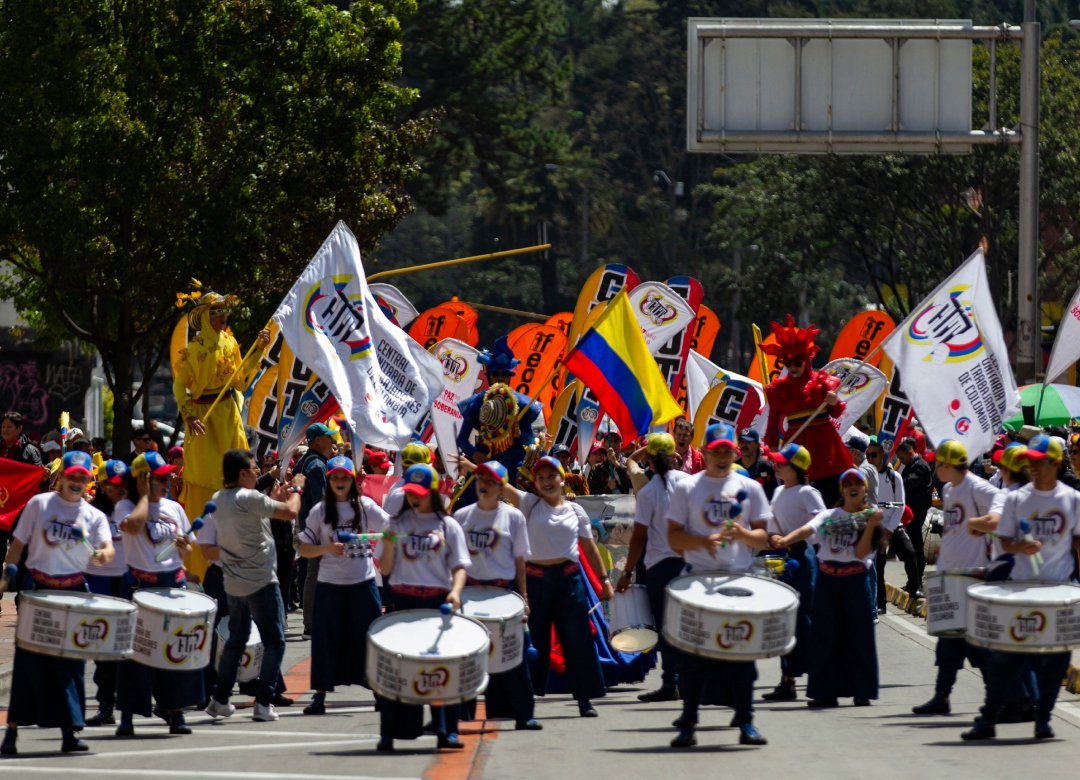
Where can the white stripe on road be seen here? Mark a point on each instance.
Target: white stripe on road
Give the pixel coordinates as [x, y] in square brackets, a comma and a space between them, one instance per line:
[237, 731]
[186, 774]
[187, 750]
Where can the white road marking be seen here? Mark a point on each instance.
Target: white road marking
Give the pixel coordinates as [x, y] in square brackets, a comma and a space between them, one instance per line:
[236, 731]
[270, 746]
[68, 769]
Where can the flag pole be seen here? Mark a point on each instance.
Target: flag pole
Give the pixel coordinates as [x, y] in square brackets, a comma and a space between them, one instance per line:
[810, 419]
[459, 261]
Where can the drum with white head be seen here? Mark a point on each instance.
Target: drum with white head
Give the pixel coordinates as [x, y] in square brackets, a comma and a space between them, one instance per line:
[75, 625]
[420, 656]
[503, 614]
[632, 627]
[1024, 617]
[730, 617]
[173, 628]
[250, 661]
[946, 600]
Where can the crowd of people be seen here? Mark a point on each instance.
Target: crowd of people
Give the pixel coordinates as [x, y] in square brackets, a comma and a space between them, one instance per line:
[304, 535]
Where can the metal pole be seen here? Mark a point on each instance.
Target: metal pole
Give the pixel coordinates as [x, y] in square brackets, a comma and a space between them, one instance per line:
[1029, 331]
[736, 300]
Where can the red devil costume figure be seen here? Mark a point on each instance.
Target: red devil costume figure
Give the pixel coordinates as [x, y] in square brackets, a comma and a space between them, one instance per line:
[798, 396]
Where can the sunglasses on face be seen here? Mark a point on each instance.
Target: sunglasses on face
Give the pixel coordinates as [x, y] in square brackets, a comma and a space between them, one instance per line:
[142, 438]
[873, 454]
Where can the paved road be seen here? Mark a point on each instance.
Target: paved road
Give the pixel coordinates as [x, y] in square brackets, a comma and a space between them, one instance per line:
[628, 740]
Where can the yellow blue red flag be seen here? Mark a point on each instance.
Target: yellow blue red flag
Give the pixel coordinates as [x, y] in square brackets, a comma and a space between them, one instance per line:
[612, 359]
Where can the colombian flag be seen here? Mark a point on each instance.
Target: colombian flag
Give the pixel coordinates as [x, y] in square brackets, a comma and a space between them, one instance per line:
[612, 360]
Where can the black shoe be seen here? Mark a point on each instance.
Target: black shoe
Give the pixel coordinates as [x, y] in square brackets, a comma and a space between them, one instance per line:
[751, 736]
[317, 707]
[860, 702]
[939, 705]
[660, 694]
[528, 725]
[450, 741]
[916, 594]
[1043, 731]
[8, 747]
[177, 724]
[820, 704]
[785, 691]
[979, 731]
[104, 717]
[882, 611]
[385, 745]
[685, 739]
[72, 744]
[125, 730]
[586, 710]
[282, 701]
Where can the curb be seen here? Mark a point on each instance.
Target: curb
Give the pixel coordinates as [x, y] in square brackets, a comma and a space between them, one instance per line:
[901, 598]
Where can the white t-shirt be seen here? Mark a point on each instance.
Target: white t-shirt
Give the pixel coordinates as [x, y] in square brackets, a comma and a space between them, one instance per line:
[794, 507]
[117, 567]
[394, 500]
[428, 549]
[554, 530]
[496, 538]
[165, 520]
[651, 512]
[702, 506]
[45, 529]
[1053, 516]
[358, 562]
[207, 536]
[837, 548]
[891, 491]
[973, 497]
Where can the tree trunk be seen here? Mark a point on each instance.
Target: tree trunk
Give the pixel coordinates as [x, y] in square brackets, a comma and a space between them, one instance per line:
[123, 368]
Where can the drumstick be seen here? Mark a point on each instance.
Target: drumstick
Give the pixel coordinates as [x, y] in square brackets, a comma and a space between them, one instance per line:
[1036, 559]
[78, 532]
[196, 524]
[735, 511]
[595, 607]
[10, 571]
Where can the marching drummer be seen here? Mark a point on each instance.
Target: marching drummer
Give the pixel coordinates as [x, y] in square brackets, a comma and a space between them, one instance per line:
[971, 505]
[425, 561]
[155, 527]
[1042, 518]
[711, 517]
[843, 653]
[58, 531]
[109, 580]
[498, 548]
[794, 504]
[346, 596]
[662, 564]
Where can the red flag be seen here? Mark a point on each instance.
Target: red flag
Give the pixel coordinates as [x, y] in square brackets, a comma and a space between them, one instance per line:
[18, 484]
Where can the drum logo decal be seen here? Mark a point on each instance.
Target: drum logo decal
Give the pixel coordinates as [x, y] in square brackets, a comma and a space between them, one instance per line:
[717, 511]
[90, 631]
[183, 644]
[56, 532]
[419, 544]
[1048, 526]
[427, 682]
[732, 634]
[482, 541]
[1027, 626]
[840, 542]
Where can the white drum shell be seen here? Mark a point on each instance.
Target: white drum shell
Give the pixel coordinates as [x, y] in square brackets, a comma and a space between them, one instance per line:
[757, 619]
[946, 602]
[405, 664]
[250, 661]
[173, 628]
[632, 627]
[1024, 617]
[68, 624]
[502, 613]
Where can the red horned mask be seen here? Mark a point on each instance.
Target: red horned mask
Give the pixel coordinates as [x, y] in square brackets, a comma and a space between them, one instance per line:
[792, 342]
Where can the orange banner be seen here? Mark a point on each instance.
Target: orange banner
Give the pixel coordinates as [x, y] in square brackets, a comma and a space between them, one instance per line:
[770, 360]
[438, 323]
[561, 321]
[704, 336]
[540, 348]
[467, 313]
[861, 335]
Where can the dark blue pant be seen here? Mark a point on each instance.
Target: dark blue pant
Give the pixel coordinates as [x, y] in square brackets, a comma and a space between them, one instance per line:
[265, 609]
[343, 614]
[657, 578]
[557, 598]
[398, 720]
[843, 652]
[949, 657]
[795, 663]
[1002, 672]
[732, 681]
[105, 671]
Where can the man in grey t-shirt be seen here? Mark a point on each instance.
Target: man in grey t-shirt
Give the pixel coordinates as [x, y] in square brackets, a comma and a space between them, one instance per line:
[242, 520]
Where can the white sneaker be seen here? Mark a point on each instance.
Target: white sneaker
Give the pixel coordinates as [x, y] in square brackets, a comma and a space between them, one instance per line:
[219, 710]
[264, 712]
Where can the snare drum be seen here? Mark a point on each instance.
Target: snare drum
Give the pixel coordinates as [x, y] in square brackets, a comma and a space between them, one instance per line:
[503, 614]
[173, 628]
[75, 625]
[632, 627]
[250, 661]
[946, 600]
[1024, 617]
[730, 617]
[419, 656]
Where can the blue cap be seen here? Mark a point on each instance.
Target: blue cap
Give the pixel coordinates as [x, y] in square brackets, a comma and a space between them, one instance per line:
[495, 470]
[720, 435]
[340, 463]
[420, 479]
[749, 434]
[79, 462]
[113, 471]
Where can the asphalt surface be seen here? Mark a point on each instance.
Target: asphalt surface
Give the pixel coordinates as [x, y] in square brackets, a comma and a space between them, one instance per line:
[628, 740]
